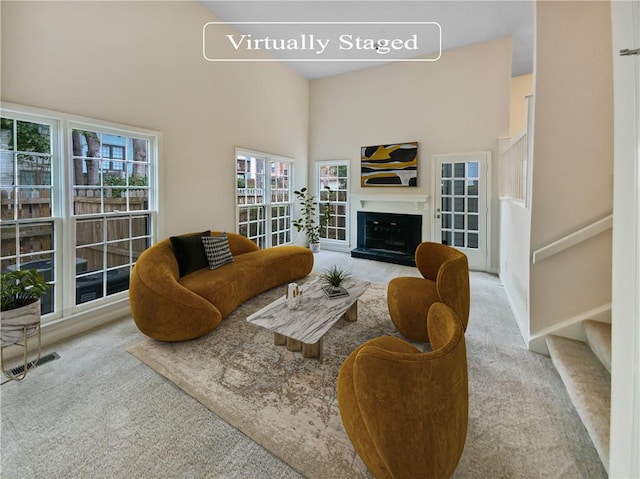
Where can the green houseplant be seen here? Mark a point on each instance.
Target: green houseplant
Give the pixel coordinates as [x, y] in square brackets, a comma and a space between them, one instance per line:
[334, 276]
[307, 222]
[21, 288]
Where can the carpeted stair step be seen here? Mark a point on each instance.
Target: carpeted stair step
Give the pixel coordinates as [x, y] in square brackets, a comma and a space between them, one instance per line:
[589, 386]
[599, 340]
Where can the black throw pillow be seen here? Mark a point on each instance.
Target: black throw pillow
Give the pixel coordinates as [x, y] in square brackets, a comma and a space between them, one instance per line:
[189, 252]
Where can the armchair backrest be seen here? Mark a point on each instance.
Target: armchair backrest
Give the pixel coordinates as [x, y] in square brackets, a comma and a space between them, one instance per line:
[449, 269]
[415, 405]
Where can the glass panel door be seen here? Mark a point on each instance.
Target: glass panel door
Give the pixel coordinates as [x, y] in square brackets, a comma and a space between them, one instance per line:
[263, 198]
[461, 210]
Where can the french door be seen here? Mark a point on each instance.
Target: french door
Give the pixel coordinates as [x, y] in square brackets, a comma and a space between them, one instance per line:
[263, 198]
[461, 209]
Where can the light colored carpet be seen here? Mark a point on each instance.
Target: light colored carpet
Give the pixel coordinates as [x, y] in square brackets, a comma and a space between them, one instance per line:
[588, 385]
[599, 340]
[99, 413]
[521, 423]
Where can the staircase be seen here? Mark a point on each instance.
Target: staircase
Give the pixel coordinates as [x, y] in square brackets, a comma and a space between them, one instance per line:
[585, 369]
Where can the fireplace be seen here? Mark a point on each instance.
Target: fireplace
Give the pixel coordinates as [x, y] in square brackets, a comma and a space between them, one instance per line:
[389, 237]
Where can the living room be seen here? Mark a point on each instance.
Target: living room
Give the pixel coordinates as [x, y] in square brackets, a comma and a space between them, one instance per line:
[141, 64]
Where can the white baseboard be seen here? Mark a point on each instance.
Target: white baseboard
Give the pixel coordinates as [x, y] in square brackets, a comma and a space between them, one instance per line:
[521, 322]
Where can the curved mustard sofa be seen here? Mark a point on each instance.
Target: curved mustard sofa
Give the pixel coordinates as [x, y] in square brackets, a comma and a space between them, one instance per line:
[168, 307]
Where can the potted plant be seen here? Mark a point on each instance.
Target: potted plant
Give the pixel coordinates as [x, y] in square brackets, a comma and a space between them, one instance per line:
[307, 222]
[20, 304]
[333, 277]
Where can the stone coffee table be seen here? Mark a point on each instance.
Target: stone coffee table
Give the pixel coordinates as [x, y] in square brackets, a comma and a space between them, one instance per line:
[302, 329]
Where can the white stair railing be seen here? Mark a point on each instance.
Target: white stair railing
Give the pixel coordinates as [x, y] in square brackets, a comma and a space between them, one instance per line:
[515, 161]
[513, 168]
[574, 238]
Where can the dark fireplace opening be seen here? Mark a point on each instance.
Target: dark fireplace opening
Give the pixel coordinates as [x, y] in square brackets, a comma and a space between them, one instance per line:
[389, 237]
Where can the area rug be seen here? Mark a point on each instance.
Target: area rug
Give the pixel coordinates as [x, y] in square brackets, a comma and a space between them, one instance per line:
[282, 401]
[521, 422]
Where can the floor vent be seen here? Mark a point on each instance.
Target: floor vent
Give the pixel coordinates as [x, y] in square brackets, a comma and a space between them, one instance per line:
[33, 364]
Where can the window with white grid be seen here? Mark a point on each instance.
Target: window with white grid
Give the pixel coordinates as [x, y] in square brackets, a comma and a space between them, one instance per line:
[111, 170]
[333, 188]
[95, 207]
[263, 198]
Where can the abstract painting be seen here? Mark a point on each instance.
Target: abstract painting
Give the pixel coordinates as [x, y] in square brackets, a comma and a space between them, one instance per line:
[389, 165]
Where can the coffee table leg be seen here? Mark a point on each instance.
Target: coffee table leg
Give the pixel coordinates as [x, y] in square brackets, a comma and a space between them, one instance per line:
[308, 350]
[352, 313]
[293, 345]
[312, 350]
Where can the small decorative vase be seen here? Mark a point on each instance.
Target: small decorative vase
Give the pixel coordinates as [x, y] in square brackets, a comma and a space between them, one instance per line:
[314, 247]
[293, 302]
[294, 296]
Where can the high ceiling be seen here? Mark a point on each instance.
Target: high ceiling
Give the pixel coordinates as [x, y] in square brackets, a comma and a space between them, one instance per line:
[462, 23]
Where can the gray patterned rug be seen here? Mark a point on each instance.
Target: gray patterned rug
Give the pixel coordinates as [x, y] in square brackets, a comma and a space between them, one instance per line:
[521, 423]
[282, 401]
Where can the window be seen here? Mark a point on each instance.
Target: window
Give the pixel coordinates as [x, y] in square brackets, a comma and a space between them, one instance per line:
[333, 187]
[95, 206]
[112, 151]
[28, 226]
[264, 199]
[111, 207]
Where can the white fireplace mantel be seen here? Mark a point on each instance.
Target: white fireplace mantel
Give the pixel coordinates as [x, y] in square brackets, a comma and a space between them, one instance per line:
[419, 201]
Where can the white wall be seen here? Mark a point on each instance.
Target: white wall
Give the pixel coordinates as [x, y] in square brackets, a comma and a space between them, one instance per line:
[457, 104]
[521, 87]
[624, 460]
[515, 218]
[140, 63]
[573, 158]
[515, 231]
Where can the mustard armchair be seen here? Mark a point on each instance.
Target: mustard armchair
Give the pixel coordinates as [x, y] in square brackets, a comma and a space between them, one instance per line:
[405, 411]
[445, 272]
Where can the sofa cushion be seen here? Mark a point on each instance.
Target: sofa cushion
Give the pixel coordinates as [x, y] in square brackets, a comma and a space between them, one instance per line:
[217, 250]
[189, 252]
[249, 274]
[227, 287]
